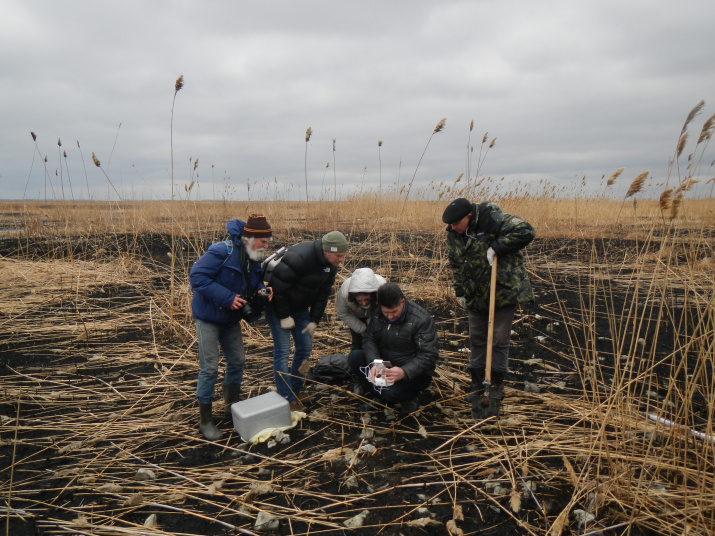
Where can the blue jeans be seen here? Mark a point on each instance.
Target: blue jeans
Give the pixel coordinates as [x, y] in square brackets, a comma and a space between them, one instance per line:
[289, 382]
[210, 336]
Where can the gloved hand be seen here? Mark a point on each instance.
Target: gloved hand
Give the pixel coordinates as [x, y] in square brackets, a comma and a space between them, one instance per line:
[310, 329]
[462, 302]
[490, 256]
[287, 322]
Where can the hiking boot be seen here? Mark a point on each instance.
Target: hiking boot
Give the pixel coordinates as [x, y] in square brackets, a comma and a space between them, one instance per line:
[297, 405]
[231, 395]
[409, 406]
[358, 389]
[370, 404]
[481, 411]
[206, 423]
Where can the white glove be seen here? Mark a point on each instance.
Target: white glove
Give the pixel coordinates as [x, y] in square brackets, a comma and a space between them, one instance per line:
[490, 256]
[287, 322]
[310, 329]
[462, 302]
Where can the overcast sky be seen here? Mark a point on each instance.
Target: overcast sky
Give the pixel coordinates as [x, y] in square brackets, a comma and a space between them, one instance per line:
[568, 89]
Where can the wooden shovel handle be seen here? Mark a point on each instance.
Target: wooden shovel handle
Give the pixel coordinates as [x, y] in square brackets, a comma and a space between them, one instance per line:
[490, 325]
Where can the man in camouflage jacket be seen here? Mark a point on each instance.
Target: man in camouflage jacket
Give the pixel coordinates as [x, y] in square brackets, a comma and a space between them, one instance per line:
[476, 233]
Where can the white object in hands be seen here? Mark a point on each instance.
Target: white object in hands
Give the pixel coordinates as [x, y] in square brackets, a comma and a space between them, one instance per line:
[379, 380]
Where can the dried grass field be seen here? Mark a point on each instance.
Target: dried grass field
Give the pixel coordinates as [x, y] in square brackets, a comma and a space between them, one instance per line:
[607, 424]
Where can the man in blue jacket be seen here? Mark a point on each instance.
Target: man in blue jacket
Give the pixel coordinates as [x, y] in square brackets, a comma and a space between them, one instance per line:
[224, 279]
[302, 283]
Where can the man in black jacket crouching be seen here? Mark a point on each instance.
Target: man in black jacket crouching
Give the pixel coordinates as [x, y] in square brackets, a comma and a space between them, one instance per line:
[405, 335]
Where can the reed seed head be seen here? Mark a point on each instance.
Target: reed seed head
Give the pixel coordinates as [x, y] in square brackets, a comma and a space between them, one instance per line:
[440, 125]
[308, 134]
[34, 138]
[64, 153]
[675, 207]
[484, 139]
[637, 184]
[687, 185]
[665, 199]
[615, 175]
[196, 164]
[471, 125]
[379, 143]
[695, 111]
[707, 131]
[681, 144]
[179, 83]
[59, 142]
[95, 160]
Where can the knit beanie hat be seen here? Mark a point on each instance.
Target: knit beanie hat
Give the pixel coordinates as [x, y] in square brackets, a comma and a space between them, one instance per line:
[335, 242]
[257, 227]
[456, 210]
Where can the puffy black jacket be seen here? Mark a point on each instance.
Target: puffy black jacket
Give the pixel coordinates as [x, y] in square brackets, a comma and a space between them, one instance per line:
[302, 280]
[410, 342]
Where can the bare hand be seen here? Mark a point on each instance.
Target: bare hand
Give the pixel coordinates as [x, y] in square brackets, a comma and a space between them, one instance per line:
[238, 302]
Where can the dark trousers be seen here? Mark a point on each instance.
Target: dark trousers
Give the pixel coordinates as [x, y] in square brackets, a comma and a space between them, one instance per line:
[398, 392]
[478, 332]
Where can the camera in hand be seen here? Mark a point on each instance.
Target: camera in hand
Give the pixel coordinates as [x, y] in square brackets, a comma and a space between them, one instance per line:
[264, 293]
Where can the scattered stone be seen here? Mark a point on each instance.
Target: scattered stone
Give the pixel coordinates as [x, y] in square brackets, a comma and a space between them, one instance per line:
[531, 388]
[540, 338]
[266, 522]
[151, 521]
[583, 518]
[370, 449]
[145, 474]
[356, 521]
[352, 482]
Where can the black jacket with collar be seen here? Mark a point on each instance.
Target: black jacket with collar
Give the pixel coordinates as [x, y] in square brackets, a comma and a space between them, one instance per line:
[410, 342]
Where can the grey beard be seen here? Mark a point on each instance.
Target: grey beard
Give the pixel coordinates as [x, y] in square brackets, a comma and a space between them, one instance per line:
[255, 255]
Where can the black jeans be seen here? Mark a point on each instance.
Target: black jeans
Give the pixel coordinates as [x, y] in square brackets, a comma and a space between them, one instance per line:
[478, 331]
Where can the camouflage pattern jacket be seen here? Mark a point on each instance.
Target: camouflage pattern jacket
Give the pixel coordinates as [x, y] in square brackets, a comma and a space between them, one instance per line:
[507, 235]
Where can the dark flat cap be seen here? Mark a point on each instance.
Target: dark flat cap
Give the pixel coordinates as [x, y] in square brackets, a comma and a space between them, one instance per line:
[456, 210]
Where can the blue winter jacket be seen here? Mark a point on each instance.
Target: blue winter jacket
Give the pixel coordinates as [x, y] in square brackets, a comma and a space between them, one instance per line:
[216, 279]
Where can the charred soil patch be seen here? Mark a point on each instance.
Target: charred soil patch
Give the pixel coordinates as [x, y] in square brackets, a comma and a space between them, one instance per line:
[98, 420]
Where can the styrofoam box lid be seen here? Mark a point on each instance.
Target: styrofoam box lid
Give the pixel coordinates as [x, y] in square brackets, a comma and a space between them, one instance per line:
[261, 403]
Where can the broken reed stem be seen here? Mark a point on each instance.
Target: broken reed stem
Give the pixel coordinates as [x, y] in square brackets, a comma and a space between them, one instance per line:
[12, 468]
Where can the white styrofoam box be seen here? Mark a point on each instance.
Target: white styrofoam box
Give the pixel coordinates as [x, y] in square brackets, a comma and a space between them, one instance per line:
[253, 415]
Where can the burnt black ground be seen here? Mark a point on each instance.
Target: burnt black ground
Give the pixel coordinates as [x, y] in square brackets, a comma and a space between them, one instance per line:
[403, 454]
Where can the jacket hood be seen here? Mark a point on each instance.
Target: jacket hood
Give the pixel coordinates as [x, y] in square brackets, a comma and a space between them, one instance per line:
[365, 280]
[235, 230]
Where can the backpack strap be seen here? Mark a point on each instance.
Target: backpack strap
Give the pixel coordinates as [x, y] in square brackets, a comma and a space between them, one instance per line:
[269, 265]
[229, 247]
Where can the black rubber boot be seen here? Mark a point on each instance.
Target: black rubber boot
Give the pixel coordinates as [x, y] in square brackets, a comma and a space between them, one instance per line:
[206, 424]
[231, 395]
[489, 406]
[476, 387]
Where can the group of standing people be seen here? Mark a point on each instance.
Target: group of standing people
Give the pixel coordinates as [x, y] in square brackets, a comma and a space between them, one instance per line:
[229, 284]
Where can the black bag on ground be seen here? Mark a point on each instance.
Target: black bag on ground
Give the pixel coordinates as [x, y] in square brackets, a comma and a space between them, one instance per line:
[331, 369]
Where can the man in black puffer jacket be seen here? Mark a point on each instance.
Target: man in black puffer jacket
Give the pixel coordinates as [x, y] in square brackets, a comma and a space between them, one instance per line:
[404, 334]
[476, 234]
[302, 282]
